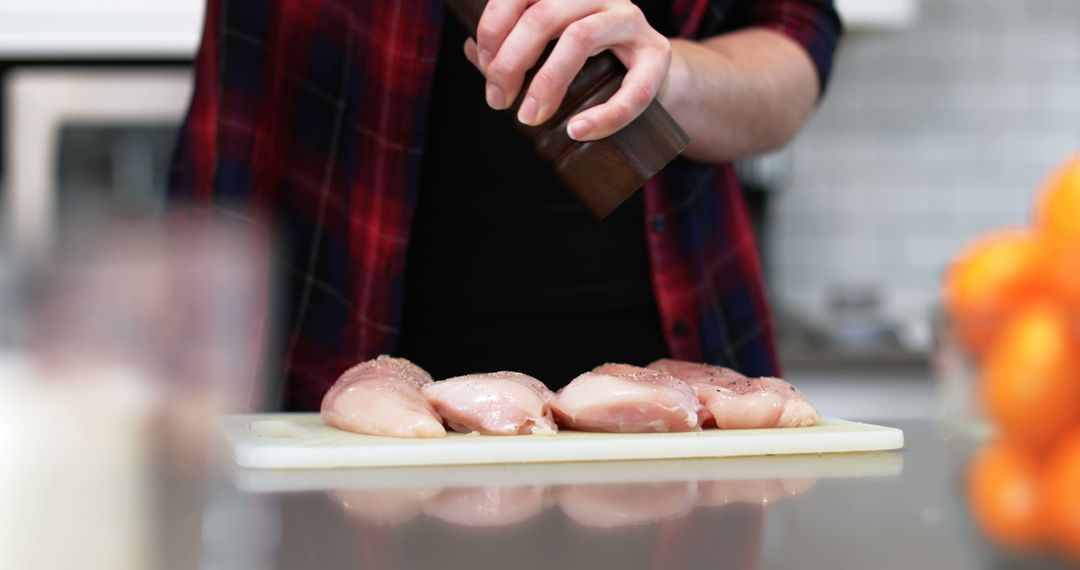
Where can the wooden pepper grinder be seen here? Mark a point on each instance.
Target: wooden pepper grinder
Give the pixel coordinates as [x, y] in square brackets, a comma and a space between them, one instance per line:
[603, 173]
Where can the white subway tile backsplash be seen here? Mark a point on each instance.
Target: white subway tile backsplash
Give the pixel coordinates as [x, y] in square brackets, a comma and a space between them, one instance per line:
[1052, 16]
[922, 250]
[928, 138]
[1058, 98]
[996, 15]
[894, 96]
[856, 253]
[1053, 47]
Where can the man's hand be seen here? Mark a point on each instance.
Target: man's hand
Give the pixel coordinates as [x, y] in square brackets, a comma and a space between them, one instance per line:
[513, 33]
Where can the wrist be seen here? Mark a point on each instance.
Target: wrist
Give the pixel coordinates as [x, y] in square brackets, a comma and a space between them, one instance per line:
[677, 82]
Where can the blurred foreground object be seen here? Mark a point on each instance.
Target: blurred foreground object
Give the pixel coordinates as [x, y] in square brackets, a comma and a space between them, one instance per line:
[1013, 308]
[1058, 221]
[1061, 495]
[123, 346]
[1003, 487]
[1003, 271]
[185, 303]
[1031, 376]
[987, 281]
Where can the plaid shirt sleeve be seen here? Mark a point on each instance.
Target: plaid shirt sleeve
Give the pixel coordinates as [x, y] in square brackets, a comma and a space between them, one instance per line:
[813, 24]
[706, 270]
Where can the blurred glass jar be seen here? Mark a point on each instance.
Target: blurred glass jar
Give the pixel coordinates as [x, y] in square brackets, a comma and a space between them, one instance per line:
[122, 346]
[956, 374]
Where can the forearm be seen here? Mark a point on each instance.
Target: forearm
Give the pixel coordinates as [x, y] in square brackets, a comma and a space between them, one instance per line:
[739, 94]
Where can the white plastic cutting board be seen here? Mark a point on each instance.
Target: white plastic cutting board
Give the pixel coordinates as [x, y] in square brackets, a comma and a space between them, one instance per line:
[758, 468]
[303, 441]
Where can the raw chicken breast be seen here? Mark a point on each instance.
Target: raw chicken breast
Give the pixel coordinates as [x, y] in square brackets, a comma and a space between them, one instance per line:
[627, 399]
[487, 506]
[694, 373]
[609, 506]
[498, 403]
[616, 369]
[382, 397]
[761, 404]
[734, 401]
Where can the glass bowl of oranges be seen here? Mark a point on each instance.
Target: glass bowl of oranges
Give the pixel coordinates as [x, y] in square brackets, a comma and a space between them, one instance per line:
[1011, 304]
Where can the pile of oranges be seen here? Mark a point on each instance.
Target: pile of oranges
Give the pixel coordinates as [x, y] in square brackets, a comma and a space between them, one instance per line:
[1013, 299]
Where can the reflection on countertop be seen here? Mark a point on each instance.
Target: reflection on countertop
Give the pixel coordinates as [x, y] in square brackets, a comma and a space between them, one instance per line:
[885, 511]
[701, 513]
[600, 495]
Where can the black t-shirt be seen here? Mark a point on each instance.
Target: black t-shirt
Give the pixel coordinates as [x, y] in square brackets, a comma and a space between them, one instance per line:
[505, 270]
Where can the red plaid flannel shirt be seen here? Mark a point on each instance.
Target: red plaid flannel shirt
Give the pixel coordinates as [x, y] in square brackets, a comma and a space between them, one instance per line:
[313, 111]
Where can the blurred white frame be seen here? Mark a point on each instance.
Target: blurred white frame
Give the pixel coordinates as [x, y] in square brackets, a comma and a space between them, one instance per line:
[39, 101]
[74, 29]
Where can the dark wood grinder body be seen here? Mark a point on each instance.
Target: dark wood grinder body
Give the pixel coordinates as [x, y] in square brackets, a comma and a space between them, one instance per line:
[601, 174]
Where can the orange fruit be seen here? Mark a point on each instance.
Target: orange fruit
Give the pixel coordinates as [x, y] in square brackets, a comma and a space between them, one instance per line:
[1059, 268]
[1058, 210]
[1061, 494]
[1031, 375]
[1058, 221]
[989, 278]
[1003, 487]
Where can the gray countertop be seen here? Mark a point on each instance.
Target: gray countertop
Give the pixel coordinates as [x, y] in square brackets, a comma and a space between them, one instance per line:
[882, 510]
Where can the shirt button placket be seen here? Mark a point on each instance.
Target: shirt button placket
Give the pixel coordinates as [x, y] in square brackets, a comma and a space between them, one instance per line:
[659, 225]
[681, 329]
